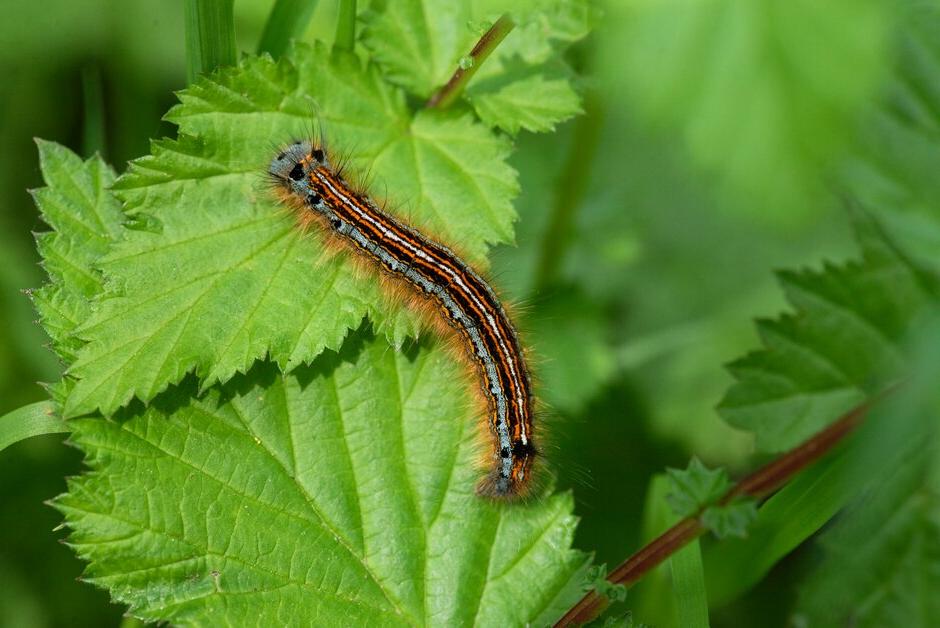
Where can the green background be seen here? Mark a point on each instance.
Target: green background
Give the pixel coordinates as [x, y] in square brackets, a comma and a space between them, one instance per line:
[703, 162]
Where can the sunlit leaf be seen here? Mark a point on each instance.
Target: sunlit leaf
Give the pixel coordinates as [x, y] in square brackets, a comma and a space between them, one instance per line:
[217, 275]
[343, 492]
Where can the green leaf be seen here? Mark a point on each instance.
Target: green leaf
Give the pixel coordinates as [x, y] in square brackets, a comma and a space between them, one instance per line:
[596, 580]
[419, 44]
[36, 419]
[524, 84]
[672, 592]
[695, 487]
[534, 102]
[784, 521]
[765, 94]
[893, 167]
[652, 598]
[881, 559]
[622, 620]
[731, 519]
[342, 492]
[86, 220]
[879, 564]
[220, 276]
[840, 346]
[898, 433]
[882, 566]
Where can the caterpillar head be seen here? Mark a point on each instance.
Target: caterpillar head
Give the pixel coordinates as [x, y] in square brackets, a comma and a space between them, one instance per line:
[292, 165]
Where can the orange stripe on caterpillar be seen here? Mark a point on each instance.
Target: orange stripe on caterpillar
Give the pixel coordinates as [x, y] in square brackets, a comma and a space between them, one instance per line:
[304, 173]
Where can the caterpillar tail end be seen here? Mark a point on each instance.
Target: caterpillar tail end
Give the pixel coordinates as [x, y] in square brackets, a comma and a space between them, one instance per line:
[497, 487]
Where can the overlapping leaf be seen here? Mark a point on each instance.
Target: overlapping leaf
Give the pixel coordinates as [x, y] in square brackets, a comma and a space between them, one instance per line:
[215, 275]
[695, 487]
[340, 494]
[530, 100]
[880, 562]
[87, 219]
[893, 167]
[513, 89]
[839, 347]
[850, 337]
[342, 491]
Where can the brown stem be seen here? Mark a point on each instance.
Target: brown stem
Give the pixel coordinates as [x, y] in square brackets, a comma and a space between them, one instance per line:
[775, 474]
[446, 95]
[759, 485]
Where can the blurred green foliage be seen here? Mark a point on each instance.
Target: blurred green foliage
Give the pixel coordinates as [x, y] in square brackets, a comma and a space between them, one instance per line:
[713, 133]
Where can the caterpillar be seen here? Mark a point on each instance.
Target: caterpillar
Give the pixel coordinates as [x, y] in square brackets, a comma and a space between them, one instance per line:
[305, 179]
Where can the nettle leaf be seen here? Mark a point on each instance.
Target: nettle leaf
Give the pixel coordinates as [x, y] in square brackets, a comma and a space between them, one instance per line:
[419, 44]
[596, 580]
[840, 346]
[694, 487]
[621, 620]
[894, 164]
[884, 575]
[214, 274]
[341, 494]
[879, 563]
[697, 487]
[86, 219]
[258, 473]
[530, 100]
[731, 519]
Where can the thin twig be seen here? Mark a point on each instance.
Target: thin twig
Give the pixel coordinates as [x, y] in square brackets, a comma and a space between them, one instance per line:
[759, 485]
[775, 474]
[446, 95]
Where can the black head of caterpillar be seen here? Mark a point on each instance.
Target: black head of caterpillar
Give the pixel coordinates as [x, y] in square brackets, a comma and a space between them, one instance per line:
[292, 170]
[437, 277]
[292, 166]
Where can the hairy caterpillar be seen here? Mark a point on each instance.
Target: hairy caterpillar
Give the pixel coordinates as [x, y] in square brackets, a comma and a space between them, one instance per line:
[306, 180]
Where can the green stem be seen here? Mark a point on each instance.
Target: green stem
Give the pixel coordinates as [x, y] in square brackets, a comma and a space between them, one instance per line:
[446, 95]
[93, 114]
[571, 186]
[288, 20]
[345, 39]
[210, 36]
[35, 419]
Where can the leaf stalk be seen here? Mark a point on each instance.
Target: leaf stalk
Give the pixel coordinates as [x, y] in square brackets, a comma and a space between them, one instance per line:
[210, 36]
[345, 39]
[287, 20]
[445, 96]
